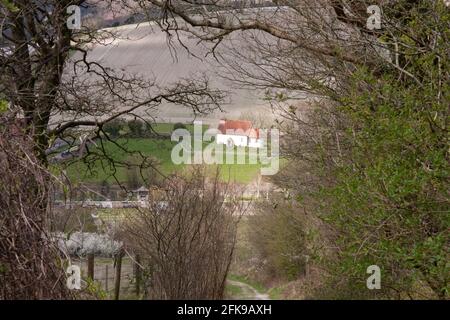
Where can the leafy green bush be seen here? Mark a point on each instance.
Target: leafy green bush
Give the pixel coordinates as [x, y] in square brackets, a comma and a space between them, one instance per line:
[390, 200]
[179, 125]
[3, 105]
[113, 128]
[279, 235]
[380, 163]
[136, 127]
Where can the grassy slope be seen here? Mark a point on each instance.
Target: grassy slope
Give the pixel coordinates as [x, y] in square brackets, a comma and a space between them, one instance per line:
[243, 261]
[161, 150]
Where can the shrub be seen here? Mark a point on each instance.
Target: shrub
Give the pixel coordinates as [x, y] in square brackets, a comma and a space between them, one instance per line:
[279, 237]
[136, 127]
[179, 125]
[114, 127]
[186, 238]
[83, 243]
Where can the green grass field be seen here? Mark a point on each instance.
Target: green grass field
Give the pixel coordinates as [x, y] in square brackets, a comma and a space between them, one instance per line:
[161, 150]
[232, 291]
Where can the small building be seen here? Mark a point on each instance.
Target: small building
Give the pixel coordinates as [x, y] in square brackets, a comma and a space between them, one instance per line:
[239, 133]
[142, 194]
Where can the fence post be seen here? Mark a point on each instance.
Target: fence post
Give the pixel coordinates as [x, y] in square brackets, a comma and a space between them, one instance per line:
[137, 270]
[307, 271]
[106, 278]
[117, 275]
[91, 260]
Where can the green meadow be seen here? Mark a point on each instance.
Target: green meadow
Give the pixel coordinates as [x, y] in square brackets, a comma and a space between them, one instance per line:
[99, 170]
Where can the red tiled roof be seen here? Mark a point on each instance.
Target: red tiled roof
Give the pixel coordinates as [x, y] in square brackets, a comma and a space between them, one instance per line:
[239, 127]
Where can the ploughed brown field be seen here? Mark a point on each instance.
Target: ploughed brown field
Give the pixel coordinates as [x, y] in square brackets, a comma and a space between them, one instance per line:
[143, 49]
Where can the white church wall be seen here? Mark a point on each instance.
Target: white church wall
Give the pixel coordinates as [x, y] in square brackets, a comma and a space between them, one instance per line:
[238, 141]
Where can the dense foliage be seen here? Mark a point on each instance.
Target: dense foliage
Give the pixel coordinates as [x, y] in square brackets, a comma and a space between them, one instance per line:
[390, 199]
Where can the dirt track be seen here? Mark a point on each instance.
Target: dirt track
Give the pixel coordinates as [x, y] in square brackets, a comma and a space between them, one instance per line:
[248, 292]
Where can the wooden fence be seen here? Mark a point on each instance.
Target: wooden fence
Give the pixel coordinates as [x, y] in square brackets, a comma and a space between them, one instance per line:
[119, 278]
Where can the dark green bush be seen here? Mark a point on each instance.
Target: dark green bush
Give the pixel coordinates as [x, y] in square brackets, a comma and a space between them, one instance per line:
[179, 125]
[113, 128]
[278, 234]
[136, 127]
